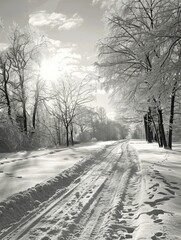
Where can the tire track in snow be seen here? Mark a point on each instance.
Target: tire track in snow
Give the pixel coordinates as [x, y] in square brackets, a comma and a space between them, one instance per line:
[114, 225]
[92, 221]
[35, 229]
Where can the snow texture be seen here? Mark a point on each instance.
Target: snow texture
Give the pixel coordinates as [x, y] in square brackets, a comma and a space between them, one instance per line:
[22, 170]
[16, 206]
[128, 191]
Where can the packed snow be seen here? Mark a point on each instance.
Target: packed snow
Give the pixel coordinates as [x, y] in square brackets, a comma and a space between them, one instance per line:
[123, 191]
[158, 208]
[22, 170]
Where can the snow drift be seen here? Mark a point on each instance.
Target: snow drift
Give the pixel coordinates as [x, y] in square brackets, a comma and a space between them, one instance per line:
[18, 205]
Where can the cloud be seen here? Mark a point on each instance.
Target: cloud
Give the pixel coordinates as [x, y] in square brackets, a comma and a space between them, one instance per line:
[104, 3]
[67, 56]
[74, 21]
[54, 20]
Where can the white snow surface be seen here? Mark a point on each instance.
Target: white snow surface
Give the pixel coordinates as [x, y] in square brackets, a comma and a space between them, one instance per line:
[22, 170]
[158, 204]
[129, 191]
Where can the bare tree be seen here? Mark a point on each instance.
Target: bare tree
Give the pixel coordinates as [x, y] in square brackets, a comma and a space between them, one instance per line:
[69, 96]
[22, 51]
[39, 97]
[5, 68]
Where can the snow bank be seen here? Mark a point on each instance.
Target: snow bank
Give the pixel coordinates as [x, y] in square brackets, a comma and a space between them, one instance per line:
[147, 206]
[158, 210]
[16, 206]
[23, 170]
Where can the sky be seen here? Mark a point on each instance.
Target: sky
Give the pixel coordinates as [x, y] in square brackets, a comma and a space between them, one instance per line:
[72, 28]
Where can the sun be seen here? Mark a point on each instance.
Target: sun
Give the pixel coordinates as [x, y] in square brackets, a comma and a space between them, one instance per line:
[49, 69]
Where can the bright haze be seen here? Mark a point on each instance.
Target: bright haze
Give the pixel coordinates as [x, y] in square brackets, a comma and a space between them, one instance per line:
[72, 28]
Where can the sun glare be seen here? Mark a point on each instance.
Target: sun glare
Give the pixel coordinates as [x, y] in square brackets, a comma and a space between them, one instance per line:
[49, 69]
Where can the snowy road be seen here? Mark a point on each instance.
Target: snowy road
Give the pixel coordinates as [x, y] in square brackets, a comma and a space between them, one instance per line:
[22, 170]
[124, 191]
[86, 208]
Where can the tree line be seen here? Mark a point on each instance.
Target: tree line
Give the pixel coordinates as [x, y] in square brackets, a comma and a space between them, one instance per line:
[35, 113]
[140, 59]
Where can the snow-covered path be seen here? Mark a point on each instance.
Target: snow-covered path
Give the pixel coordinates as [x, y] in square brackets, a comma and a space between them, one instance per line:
[125, 191]
[84, 210]
[158, 203]
[22, 170]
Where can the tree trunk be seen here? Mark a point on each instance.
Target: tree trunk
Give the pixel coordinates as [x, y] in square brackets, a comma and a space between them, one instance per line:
[81, 129]
[145, 124]
[158, 137]
[21, 80]
[59, 137]
[67, 135]
[162, 131]
[34, 115]
[149, 130]
[58, 132]
[8, 103]
[170, 133]
[71, 134]
[5, 79]
[24, 118]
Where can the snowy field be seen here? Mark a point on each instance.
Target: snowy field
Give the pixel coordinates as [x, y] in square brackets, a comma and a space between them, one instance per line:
[122, 191]
[22, 170]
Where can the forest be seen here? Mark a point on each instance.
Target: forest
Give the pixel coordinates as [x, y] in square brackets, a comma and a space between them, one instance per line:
[36, 113]
[138, 62]
[140, 59]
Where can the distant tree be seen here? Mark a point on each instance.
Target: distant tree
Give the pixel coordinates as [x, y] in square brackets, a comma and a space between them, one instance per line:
[39, 97]
[101, 113]
[83, 118]
[69, 96]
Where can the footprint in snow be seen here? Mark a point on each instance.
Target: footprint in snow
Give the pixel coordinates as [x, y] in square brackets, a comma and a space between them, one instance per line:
[162, 193]
[154, 188]
[175, 188]
[155, 185]
[131, 214]
[43, 229]
[158, 221]
[157, 235]
[170, 191]
[159, 178]
[46, 238]
[52, 152]
[9, 174]
[122, 222]
[174, 183]
[128, 236]
[151, 196]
